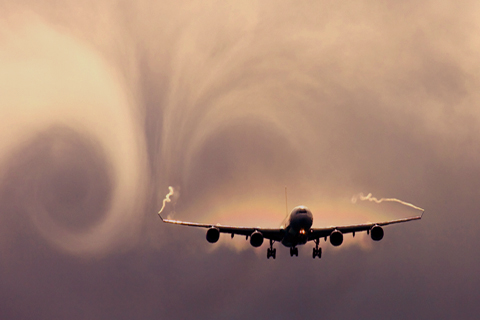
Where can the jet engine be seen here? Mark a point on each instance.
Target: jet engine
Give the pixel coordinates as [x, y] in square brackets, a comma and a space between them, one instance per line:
[256, 239]
[336, 238]
[376, 233]
[213, 234]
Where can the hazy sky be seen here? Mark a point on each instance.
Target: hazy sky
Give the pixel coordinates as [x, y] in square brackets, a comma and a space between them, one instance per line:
[104, 104]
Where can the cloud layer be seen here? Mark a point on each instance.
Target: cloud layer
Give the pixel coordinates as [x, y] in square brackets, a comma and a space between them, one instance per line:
[106, 105]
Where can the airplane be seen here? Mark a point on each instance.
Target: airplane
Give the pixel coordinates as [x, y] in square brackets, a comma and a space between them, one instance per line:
[295, 230]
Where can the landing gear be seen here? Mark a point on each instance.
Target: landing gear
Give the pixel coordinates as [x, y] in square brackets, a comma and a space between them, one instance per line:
[317, 252]
[293, 252]
[270, 251]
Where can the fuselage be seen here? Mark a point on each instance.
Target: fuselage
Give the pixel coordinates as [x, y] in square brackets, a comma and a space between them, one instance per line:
[297, 226]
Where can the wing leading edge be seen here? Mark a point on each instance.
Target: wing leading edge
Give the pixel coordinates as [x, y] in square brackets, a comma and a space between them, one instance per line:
[275, 234]
[316, 233]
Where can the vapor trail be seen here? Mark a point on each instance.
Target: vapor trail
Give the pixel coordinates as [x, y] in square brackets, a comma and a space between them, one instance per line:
[167, 199]
[369, 197]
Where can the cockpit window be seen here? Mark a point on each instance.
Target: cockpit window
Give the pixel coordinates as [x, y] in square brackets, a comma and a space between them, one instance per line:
[302, 210]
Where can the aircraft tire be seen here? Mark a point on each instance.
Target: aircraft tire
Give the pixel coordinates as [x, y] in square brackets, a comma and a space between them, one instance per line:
[271, 253]
[293, 252]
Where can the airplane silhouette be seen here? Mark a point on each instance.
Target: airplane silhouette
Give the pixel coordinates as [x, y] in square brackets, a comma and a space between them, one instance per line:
[295, 230]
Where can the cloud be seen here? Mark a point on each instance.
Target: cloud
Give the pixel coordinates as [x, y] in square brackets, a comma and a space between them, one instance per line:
[71, 138]
[106, 105]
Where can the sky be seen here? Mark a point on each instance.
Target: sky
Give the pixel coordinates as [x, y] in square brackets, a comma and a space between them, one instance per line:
[105, 104]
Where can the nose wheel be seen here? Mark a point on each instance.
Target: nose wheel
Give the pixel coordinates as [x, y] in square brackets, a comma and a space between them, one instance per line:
[317, 252]
[271, 252]
[293, 252]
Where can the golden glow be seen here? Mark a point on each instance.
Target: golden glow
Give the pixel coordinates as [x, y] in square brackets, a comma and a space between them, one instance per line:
[229, 207]
[302, 231]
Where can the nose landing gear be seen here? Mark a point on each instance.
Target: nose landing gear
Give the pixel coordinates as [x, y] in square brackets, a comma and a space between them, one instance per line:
[317, 252]
[293, 251]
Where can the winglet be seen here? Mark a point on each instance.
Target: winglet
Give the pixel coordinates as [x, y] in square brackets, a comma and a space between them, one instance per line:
[161, 217]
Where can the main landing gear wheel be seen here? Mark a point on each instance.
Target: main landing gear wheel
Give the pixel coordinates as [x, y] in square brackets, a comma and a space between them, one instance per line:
[317, 252]
[293, 252]
[270, 251]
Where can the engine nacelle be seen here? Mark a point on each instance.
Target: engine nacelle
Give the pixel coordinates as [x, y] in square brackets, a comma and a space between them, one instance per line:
[376, 233]
[212, 235]
[336, 238]
[256, 239]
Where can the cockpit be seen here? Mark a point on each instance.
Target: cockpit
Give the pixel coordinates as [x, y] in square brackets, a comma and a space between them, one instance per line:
[301, 210]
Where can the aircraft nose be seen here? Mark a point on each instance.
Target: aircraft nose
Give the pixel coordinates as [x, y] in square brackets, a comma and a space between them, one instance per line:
[306, 220]
[303, 221]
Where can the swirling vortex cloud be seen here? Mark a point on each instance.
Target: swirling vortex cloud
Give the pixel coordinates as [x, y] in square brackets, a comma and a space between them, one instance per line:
[53, 80]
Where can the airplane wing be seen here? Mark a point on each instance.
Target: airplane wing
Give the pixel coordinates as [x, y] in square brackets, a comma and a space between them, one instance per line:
[316, 233]
[268, 233]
